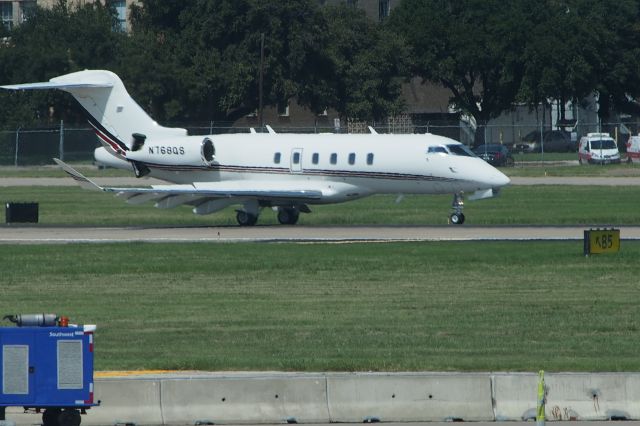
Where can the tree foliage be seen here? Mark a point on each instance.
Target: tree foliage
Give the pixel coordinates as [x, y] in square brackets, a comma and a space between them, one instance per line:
[492, 53]
[212, 54]
[200, 60]
[468, 47]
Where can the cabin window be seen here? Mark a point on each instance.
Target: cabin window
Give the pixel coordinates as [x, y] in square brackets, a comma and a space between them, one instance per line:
[370, 158]
[296, 158]
[276, 158]
[334, 158]
[315, 158]
[352, 158]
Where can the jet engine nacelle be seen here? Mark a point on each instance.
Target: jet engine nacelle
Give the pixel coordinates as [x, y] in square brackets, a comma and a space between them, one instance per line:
[181, 152]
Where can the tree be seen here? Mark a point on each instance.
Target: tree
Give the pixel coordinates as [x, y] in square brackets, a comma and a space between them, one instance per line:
[471, 47]
[367, 62]
[578, 47]
[206, 58]
[211, 50]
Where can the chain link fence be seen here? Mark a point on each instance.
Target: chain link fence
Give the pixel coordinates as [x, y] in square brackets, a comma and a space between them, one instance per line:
[24, 146]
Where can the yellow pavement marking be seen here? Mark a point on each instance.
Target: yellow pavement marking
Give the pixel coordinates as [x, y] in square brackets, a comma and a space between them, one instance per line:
[130, 373]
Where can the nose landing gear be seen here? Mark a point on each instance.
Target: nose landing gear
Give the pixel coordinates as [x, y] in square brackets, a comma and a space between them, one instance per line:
[457, 217]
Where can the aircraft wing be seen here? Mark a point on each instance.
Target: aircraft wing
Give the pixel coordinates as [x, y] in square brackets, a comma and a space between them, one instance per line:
[172, 195]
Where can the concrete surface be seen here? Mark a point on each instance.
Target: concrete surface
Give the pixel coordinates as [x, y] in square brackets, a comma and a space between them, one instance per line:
[12, 234]
[277, 398]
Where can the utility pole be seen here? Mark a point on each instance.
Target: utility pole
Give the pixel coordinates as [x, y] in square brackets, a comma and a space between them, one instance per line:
[260, 106]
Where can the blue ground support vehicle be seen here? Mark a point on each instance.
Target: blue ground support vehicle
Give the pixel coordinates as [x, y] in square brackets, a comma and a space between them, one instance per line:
[47, 364]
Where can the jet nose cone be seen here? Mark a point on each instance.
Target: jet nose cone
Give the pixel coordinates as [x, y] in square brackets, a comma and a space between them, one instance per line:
[500, 179]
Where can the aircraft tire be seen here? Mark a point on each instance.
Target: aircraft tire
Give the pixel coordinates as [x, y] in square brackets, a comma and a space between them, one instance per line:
[246, 219]
[288, 216]
[457, 218]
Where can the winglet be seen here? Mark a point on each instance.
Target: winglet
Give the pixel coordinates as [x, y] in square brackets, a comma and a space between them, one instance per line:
[78, 177]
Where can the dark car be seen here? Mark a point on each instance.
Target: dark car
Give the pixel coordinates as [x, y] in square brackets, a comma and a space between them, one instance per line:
[553, 140]
[494, 154]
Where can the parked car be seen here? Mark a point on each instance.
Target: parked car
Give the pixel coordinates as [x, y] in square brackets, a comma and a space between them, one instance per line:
[633, 149]
[554, 141]
[598, 148]
[495, 154]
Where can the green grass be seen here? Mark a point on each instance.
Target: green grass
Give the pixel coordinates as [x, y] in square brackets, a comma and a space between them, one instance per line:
[545, 169]
[531, 205]
[49, 171]
[478, 306]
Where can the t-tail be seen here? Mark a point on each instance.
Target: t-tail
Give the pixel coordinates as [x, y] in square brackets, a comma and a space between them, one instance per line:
[117, 119]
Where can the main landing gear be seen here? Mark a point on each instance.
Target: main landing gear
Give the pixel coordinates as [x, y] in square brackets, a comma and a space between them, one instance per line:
[248, 216]
[288, 216]
[245, 218]
[457, 217]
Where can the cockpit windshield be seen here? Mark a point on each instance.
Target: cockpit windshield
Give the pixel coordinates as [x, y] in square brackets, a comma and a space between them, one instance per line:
[459, 149]
[437, 148]
[452, 149]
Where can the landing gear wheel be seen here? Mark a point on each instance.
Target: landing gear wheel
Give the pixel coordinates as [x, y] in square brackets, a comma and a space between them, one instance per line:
[245, 218]
[288, 216]
[50, 417]
[69, 417]
[457, 218]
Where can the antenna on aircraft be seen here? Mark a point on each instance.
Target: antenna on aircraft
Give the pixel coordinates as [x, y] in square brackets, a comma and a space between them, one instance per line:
[270, 130]
[372, 130]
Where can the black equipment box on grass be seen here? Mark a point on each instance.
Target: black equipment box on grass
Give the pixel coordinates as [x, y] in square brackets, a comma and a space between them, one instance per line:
[21, 212]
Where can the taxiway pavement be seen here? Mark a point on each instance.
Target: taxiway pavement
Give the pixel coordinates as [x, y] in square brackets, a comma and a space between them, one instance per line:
[11, 234]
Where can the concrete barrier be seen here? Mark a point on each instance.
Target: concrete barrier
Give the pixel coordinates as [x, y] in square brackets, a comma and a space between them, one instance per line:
[355, 397]
[409, 397]
[126, 401]
[273, 399]
[571, 396]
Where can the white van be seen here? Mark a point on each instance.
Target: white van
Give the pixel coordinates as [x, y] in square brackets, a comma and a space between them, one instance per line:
[598, 148]
[633, 149]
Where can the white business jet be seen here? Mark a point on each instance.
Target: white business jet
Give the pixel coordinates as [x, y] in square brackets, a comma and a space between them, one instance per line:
[287, 172]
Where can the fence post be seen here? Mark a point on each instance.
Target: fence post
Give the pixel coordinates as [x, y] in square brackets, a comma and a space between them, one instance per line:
[15, 161]
[61, 146]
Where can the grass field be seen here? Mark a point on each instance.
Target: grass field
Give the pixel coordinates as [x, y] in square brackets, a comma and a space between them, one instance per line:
[478, 306]
[347, 307]
[531, 205]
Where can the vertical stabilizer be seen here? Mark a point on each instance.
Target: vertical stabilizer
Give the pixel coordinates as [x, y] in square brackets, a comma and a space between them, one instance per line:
[111, 110]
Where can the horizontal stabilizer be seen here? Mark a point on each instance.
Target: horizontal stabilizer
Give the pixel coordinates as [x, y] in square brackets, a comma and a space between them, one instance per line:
[53, 85]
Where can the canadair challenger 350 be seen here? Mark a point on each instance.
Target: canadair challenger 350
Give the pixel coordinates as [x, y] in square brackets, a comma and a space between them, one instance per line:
[287, 172]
